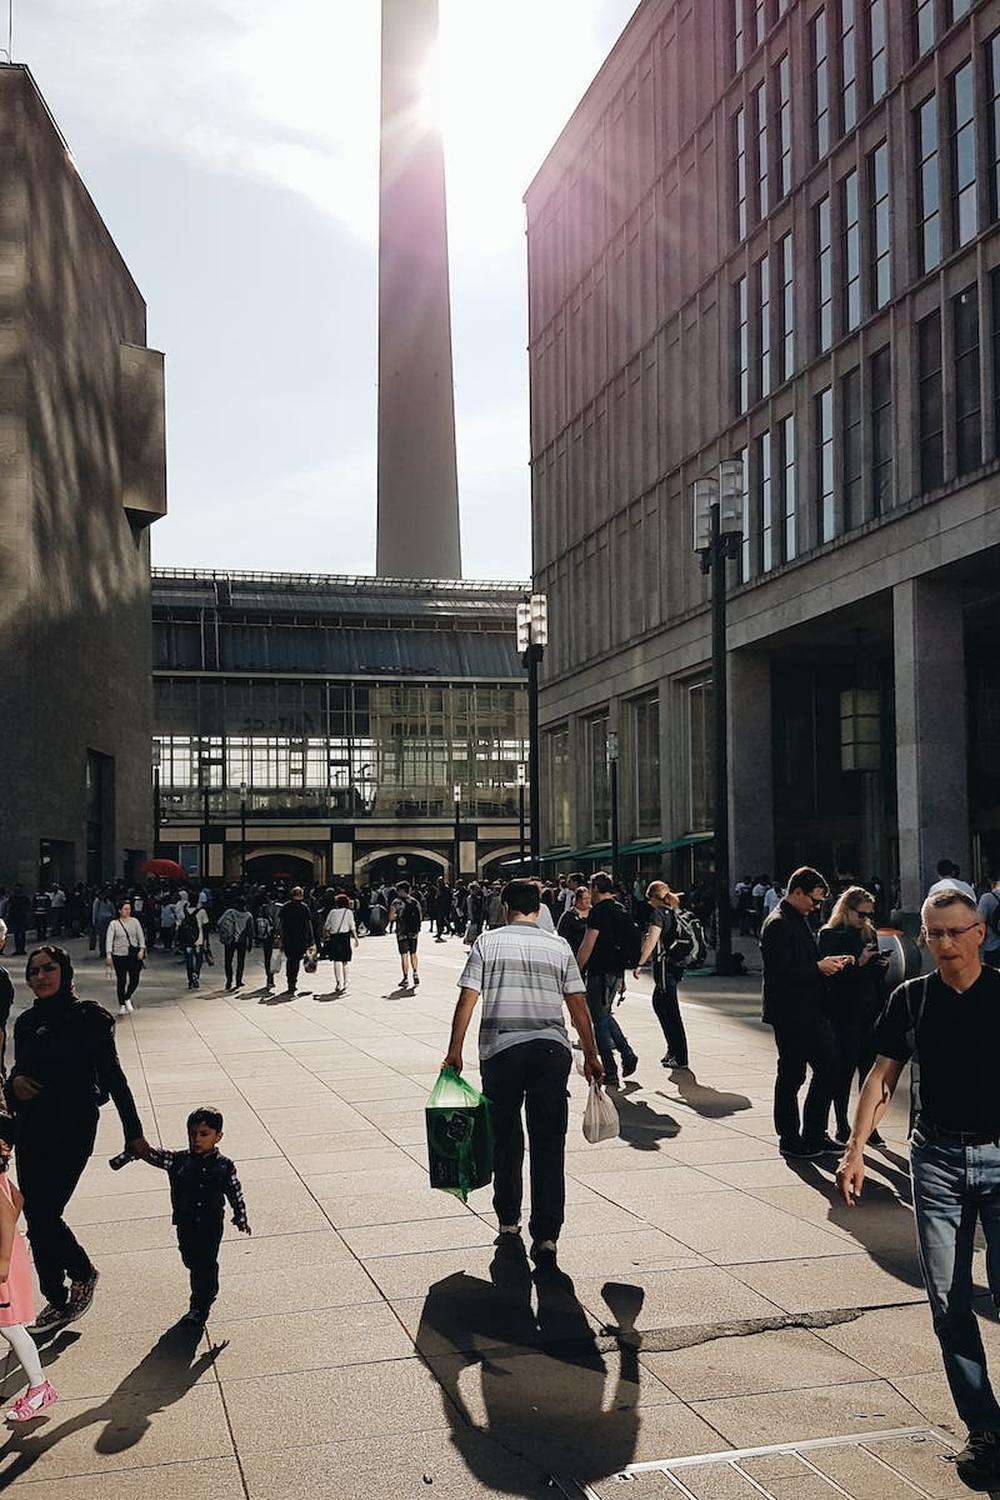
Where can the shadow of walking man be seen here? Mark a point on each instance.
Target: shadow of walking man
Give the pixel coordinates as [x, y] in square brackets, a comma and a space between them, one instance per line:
[641, 1126]
[713, 1104]
[531, 1378]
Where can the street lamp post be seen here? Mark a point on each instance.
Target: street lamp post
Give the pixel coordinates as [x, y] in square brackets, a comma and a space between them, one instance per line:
[206, 833]
[157, 804]
[457, 795]
[532, 638]
[613, 791]
[718, 536]
[521, 776]
[243, 832]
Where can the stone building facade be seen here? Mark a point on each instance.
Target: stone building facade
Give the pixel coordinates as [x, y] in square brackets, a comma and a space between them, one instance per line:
[771, 232]
[82, 476]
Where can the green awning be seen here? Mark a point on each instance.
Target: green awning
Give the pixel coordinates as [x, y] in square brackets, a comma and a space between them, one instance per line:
[645, 846]
[595, 852]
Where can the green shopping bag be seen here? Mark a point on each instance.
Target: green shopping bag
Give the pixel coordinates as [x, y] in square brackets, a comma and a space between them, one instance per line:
[459, 1136]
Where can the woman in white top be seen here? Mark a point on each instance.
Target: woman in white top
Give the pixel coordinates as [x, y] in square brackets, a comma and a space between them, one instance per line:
[125, 949]
[340, 935]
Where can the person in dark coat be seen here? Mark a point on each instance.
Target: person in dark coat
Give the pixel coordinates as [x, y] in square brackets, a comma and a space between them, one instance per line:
[795, 1005]
[295, 927]
[856, 996]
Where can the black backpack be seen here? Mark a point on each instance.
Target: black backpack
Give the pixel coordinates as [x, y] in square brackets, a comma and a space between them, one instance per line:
[187, 933]
[410, 917]
[624, 942]
[687, 948]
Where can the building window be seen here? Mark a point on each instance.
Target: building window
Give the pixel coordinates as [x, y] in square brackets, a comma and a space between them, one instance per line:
[738, 37]
[821, 87]
[923, 26]
[959, 8]
[824, 464]
[850, 413]
[740, 137]
[878, 75]
[785, 125]
[968, 397]
[848, 67]
[995, 308]
[644, 723]
[824, 275]
[931, 402]
[786, 437]
[851, 214]
[995, 125]
[743, 345]
[599, 784]
[764, 327]
[759, 21]
[881, 226]
[743, 458]
[763, 196]
[765, 503]
[558, 782]
[928, 185]
[786, 308]
[965, 211]
[880, 381]
[700, 758]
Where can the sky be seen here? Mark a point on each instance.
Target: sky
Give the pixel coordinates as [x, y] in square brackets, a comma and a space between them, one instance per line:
[232, 149]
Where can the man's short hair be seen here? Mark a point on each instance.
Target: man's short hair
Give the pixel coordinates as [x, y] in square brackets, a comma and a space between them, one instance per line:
[806, 879]
[297, 890]
[402, 885]
[578, 876]
[521, 896]
[952, 896]
[206, 1114]
[602, 882]
[947, 867]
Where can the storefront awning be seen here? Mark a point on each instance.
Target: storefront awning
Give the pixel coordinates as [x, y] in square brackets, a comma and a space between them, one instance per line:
[595, 852]
[647, 846]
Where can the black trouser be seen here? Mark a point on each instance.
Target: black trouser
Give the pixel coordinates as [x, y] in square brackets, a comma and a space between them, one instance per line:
[50, 1163]
[533, 1074]
[668, 1013]
[199, 1247]
[292, 961]
[127, 973]
[441, 923]
[807, 1044]
[20, 936]
[240, 950]
[267, 950]
[855, 1037]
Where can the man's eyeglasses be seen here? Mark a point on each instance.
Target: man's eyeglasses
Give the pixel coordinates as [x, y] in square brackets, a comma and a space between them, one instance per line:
[938, 934]
[43, 969]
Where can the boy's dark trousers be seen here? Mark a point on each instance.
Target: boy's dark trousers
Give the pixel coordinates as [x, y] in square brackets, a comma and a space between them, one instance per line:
[199, 1247]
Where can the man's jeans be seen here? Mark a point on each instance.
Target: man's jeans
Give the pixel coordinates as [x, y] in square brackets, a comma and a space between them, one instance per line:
[193, 960]
[533, 1074]
[239, 952]
[601, 992]
[954, 1185]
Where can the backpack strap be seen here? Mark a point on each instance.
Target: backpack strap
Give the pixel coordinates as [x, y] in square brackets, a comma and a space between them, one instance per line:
[916, 1001]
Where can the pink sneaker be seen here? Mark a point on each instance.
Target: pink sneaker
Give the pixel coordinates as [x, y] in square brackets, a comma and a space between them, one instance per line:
[34, 1401]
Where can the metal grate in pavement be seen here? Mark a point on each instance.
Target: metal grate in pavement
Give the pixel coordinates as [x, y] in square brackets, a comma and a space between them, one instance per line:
[904, 1463]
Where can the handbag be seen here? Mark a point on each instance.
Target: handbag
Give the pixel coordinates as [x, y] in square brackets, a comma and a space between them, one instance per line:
[600, 1118]
[133, 948]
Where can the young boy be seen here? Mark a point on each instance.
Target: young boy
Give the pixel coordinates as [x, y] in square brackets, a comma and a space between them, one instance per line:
[200, 1178]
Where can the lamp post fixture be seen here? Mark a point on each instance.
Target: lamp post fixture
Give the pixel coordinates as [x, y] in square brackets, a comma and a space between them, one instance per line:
[718, 537]
[457, 795]
[532, 639]
[157, 805]
[612, 750]
[522, 772]
[243, 832]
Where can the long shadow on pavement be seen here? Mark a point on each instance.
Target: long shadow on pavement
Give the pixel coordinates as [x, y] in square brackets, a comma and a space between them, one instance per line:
[530, 1378]
[713, 1104]
[641, 1126]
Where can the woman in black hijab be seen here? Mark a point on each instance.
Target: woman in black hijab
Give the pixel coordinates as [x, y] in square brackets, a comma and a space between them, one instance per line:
[65, 1067]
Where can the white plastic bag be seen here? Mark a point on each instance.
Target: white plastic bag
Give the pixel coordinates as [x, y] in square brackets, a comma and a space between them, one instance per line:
[600, 1118]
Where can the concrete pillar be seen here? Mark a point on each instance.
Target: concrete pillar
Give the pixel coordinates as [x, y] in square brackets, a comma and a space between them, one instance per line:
[751, 774]
[931, 767]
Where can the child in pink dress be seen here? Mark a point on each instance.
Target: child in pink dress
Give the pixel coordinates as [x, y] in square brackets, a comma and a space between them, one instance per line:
[17, 1300]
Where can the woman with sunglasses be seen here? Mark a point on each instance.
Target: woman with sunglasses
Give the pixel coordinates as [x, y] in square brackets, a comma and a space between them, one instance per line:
[856, 994]
[65, 1067]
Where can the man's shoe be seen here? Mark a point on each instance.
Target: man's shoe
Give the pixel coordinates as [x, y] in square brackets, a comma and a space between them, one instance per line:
[629, 1064]
[50, 1318]
[229, 984]
[543, 1253]
[979, 1460]
[81, 1295]
[123, 1010]
[670, 1061]
[612, 1081]
[799, 1150]
[416, 980]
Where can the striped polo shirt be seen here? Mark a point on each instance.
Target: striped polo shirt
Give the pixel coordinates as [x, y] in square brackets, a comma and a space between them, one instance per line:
[522, 974]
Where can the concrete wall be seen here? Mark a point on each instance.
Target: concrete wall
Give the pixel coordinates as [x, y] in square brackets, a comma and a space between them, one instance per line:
[75, 625]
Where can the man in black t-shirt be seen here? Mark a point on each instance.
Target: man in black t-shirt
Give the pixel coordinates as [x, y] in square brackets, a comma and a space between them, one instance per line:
[602, 960]
[947, 1026]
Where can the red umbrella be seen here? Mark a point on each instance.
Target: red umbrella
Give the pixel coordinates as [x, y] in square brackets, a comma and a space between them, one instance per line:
[166, 869]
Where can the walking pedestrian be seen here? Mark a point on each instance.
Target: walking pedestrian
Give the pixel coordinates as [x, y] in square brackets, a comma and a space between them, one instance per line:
[855, 996]
[102, 914]
[65, 1067]
[265, 928]
[442, 902]
[525, 976]
[235, 931]
[573, 923]
[17, 1298]
[603, 958]
[947, 1026]
[664, 905]
[191, 923]
[794, 1004]
[125, 951]
[295, 928]
[341, 937]
[18, 913]
[406, 915]
[989, 910]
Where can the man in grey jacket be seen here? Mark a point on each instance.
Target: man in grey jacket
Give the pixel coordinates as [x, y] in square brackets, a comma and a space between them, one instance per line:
[236, 935]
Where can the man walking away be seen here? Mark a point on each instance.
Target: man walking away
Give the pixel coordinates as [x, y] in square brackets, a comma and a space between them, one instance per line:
[794, 993]
[265, 927]
[989, 911]
[524, 976]
[442, 900]
[603, 958]
[407, 916]
[295, 927]
[947, 1026]
[18, 912]
[235, 931]
[662, 931]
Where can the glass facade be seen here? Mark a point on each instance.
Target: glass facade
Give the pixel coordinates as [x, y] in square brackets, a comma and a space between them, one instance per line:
[642, 751]
[599, 788]
[700, 731]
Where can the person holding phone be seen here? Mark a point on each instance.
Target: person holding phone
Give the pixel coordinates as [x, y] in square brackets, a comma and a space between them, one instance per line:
[855, 995]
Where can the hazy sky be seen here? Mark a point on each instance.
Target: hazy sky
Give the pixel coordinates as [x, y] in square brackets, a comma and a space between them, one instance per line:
[231, 146]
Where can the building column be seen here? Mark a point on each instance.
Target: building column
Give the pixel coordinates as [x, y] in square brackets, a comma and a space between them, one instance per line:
[751, 773]
[932, 795]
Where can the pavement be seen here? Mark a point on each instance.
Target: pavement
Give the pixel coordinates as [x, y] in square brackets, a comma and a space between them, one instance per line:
[720, 1317]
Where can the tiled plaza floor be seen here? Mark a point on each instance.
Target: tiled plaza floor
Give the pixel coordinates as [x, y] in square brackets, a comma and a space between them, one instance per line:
[367, 1341]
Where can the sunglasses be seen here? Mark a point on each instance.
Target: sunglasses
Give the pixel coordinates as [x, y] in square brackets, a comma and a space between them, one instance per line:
[43, 969]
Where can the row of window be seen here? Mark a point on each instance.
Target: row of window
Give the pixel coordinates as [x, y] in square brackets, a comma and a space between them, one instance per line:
[578, 782]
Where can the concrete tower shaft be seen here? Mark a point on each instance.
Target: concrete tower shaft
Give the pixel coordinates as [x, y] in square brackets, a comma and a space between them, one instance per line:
[418, 525]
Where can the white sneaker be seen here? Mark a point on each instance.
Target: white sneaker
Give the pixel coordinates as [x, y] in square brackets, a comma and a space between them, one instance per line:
[129, 1007]
[123, 1010]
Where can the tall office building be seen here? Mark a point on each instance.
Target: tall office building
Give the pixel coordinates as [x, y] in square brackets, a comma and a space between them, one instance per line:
[771, 232]
[418, 524]
[82, 476]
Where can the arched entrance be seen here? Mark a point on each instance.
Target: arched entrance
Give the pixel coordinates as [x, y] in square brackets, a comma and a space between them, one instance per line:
[280, 866]
[502, 864]
[402, 862]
